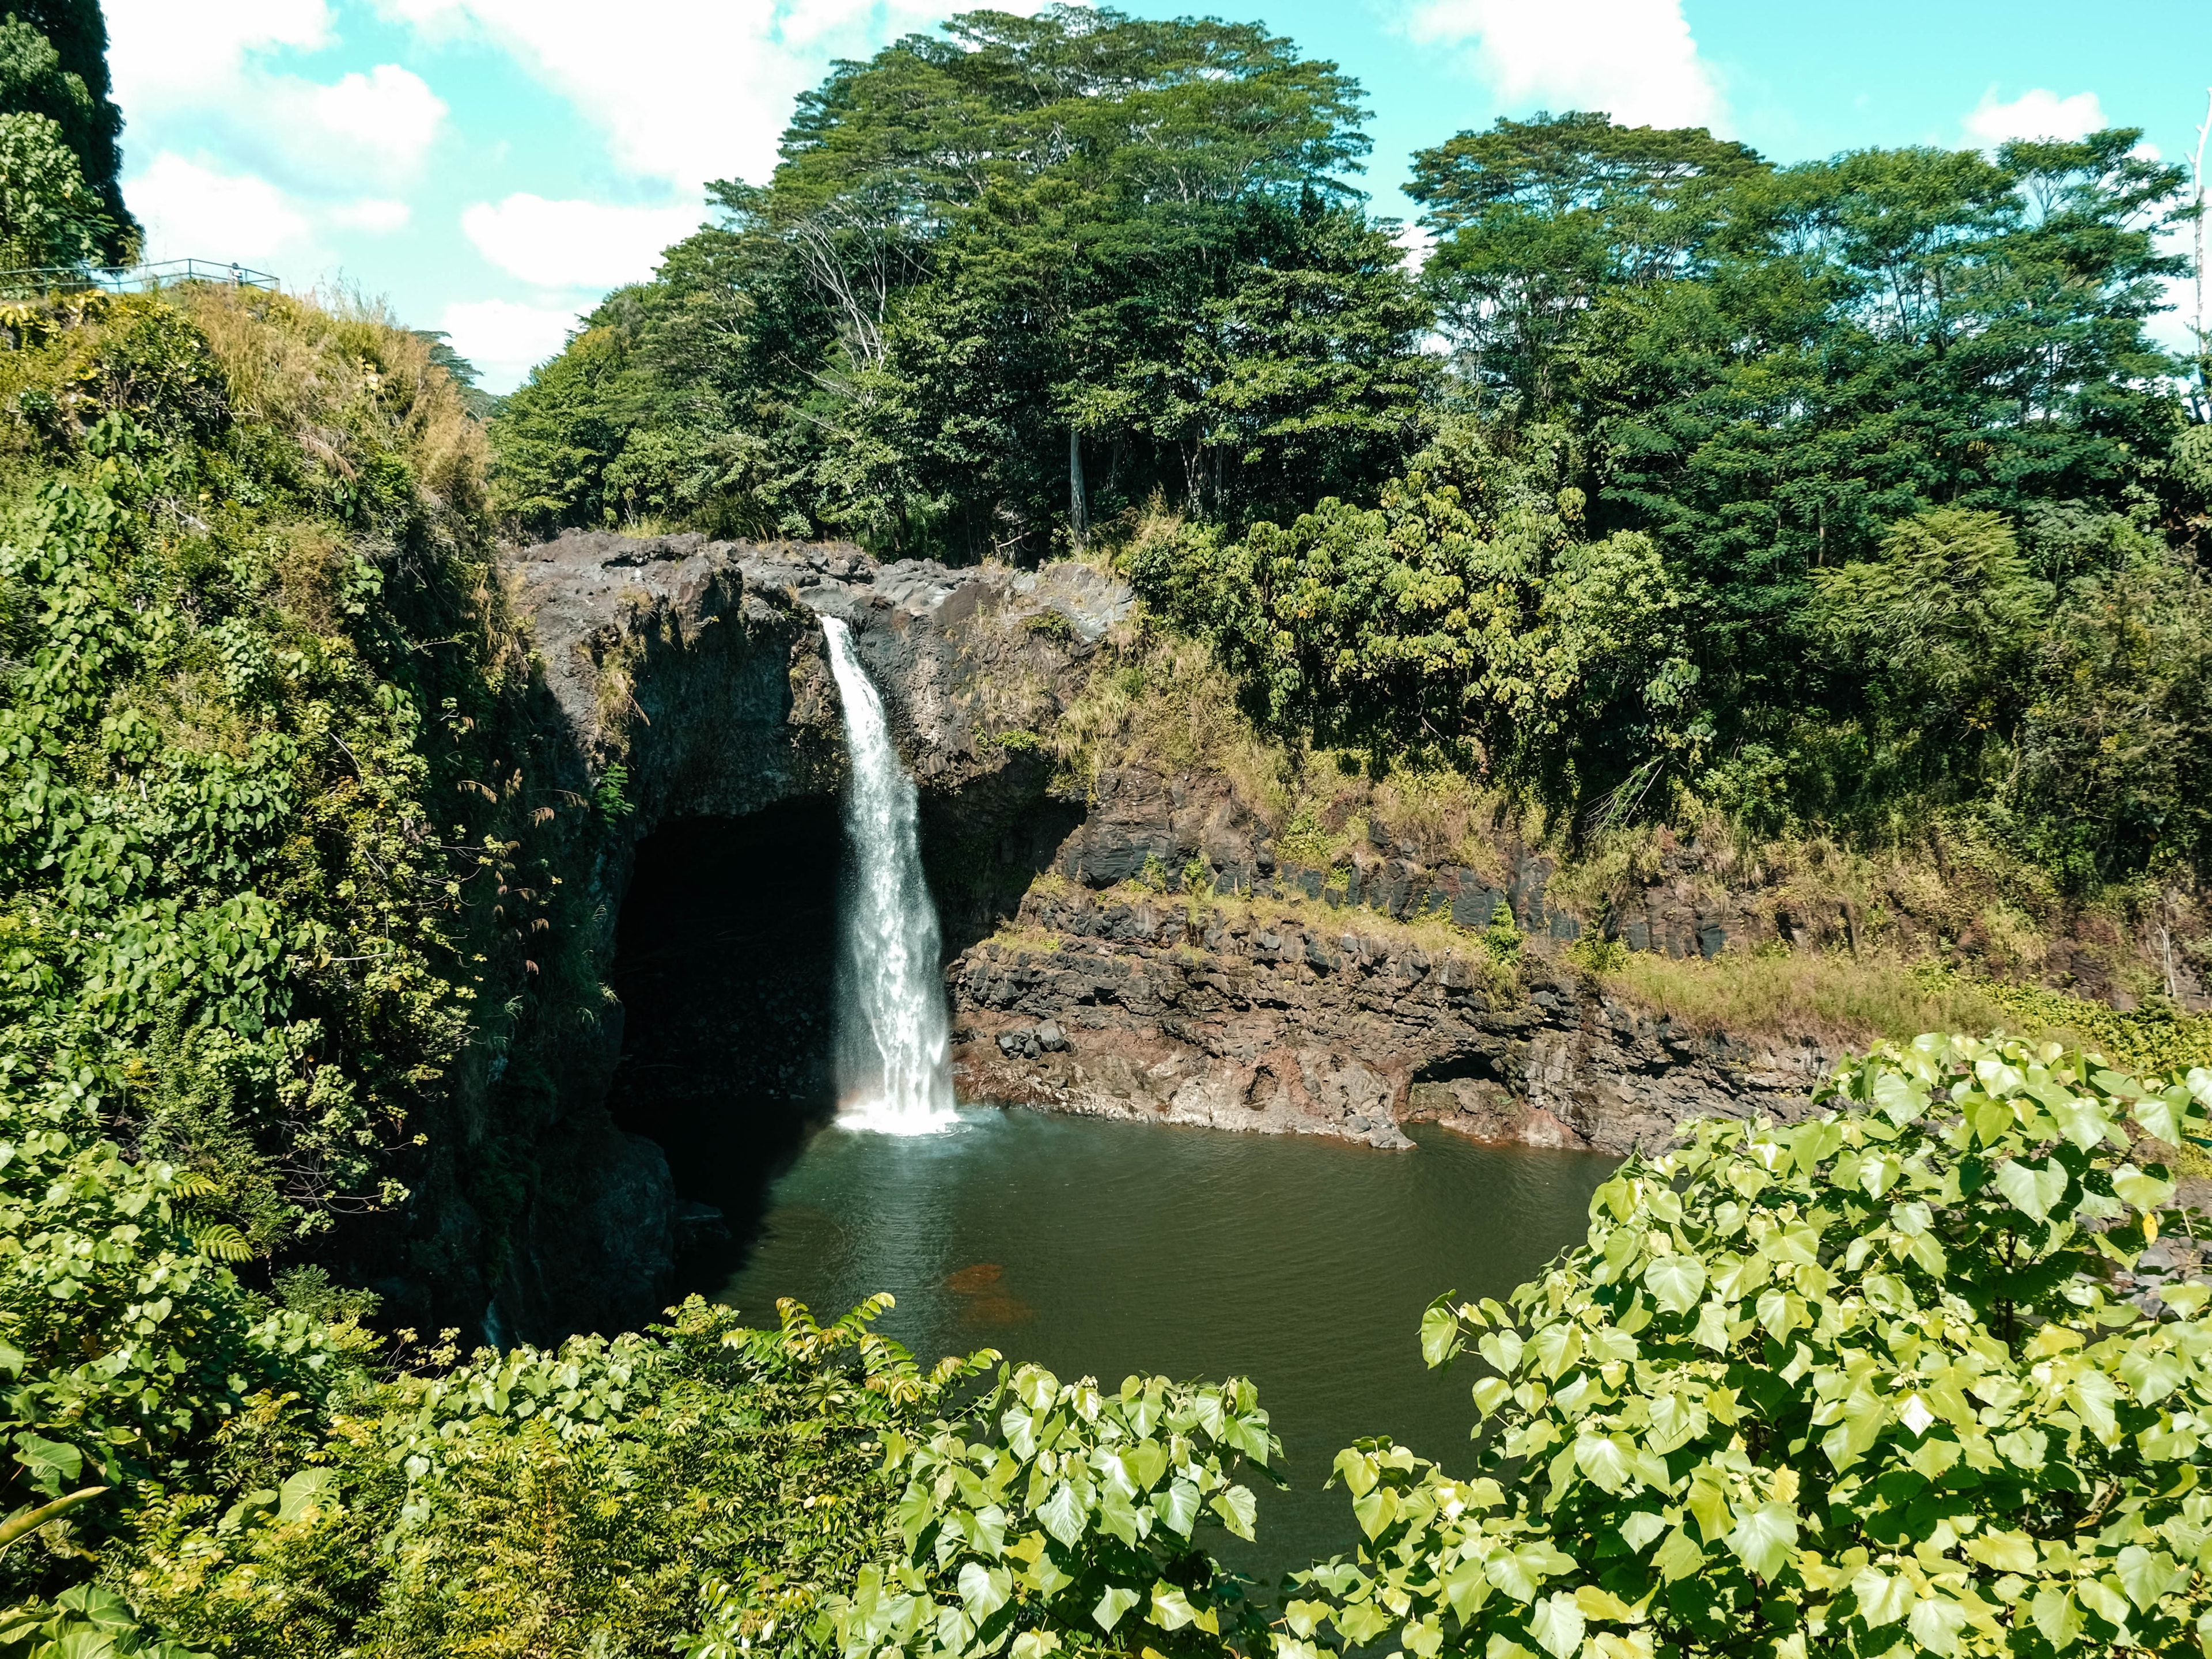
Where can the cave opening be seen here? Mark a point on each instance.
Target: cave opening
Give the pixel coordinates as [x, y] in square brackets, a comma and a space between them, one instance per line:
[725, 956]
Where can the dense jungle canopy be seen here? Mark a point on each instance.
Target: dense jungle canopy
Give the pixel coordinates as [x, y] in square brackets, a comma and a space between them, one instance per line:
[1826, 495]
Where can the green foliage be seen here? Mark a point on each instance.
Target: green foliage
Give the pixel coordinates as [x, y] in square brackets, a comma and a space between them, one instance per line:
[1895, 427]
[612, 1497]
[1942, 622]
[1466, 607]
[53, 64]
[126, 1353]
[2115, 749]
[1784, 363]
[107, 1381]
[250, 638]
[85, 1622]
[1074, 258]
[608, 796]
[1539, 218]
[2154, 1037]
[717, 1490]
[1860, 1381]
[48, 216]
[1502, 938]
[1594, 953]
[228, 910]
[556, 435]
[1048, 1513]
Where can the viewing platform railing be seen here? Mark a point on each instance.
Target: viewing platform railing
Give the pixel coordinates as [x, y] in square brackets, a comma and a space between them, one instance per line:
[127, 279]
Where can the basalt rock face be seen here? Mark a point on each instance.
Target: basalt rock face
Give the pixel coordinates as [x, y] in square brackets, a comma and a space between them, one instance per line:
[697, 668]
[1344, 1001]
[1287, 1019]
[698, 664]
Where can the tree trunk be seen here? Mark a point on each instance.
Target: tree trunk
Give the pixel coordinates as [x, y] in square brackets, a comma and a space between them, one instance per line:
[1078, 515]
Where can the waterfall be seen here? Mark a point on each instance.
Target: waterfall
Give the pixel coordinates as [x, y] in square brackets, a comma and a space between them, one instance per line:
[893, 1072]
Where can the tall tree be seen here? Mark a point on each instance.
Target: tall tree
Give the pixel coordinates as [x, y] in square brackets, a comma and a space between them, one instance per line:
[1773, 367]
[1541, 218]
[53, 62]
[1043, 261]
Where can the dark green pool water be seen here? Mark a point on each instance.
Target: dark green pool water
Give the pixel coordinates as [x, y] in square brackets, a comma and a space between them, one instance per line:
[1103, 1248]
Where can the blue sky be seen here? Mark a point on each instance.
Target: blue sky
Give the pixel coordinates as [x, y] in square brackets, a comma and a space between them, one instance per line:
[491, 166]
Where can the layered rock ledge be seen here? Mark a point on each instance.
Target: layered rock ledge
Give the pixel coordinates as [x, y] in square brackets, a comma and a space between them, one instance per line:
[1282, 1017]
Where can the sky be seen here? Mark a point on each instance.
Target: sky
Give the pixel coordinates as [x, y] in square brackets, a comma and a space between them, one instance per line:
[491, 168]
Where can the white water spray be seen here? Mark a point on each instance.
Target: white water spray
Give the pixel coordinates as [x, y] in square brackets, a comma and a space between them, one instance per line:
[894, 1074]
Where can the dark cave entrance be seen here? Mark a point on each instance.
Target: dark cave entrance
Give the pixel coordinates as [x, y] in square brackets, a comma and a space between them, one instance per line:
[725, 962]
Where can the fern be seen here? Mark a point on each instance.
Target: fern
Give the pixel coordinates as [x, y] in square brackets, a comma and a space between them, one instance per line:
[222, 1242]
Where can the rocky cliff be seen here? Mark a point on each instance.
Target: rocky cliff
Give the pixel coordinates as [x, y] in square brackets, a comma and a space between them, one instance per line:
[1133, 936]
[1279, 1014]
[685, 684]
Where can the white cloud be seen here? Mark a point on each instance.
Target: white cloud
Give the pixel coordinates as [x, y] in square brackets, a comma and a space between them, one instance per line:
[505, 340]
[1636, 59]
[196, 79]
[163, 52]
[575, 244]
[378, 214]
[2039, 113]
[367, 132]
[193, 211]
[1416, 242]
[713, 107]
[390, 113]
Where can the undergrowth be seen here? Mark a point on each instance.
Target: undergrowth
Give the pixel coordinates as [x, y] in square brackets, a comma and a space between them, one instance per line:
[1842, 1000]
[275, 878]
[1163, 702]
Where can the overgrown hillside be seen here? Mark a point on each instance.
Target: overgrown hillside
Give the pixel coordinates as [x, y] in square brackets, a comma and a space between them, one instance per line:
[260, 686]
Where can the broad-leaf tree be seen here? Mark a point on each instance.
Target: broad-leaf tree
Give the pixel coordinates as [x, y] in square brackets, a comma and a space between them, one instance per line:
[1008, 283]
[53, 64]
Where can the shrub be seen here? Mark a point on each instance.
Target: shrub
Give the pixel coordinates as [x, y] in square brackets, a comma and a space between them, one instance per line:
[715, 1490]
[1861, 1385]
[1502, 938]
[1047, 1513]
[127, 1355]
[608, 1496]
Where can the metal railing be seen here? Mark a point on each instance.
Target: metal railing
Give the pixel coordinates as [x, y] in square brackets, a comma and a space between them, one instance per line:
[128, 279]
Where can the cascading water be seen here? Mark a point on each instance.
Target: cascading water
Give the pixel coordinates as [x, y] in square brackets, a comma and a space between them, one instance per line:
[894, 1074]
